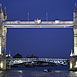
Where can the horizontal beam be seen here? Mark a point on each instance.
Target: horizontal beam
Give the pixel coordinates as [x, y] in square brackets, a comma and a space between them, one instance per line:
[39, 26]
[37, 58]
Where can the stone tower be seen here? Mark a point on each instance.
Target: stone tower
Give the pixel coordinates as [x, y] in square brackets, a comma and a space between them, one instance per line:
[73, 61]
[3, 30]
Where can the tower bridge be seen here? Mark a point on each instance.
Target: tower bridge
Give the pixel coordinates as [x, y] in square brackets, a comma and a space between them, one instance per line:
[35, 24]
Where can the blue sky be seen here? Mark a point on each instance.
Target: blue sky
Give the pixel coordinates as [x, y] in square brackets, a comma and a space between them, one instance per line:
[40, 42]
[57, 9]
[55, 43]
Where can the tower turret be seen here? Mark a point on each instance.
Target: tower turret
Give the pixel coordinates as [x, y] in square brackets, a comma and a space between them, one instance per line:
[75, 9]
[5, 14]
[75, 15]
[1, 14]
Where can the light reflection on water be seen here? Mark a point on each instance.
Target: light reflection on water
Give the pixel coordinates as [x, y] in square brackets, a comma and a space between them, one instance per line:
[31, 73]
[38, 72]
[20, 71]
[73, 74]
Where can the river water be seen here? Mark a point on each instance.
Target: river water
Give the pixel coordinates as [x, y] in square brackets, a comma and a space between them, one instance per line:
[38, 72]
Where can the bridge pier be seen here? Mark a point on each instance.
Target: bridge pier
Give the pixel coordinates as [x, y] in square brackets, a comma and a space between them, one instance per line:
[73, 64]
[3, 64]
[73, 60]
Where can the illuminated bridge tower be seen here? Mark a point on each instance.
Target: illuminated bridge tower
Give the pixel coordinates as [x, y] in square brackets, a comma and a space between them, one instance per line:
[73, 61]
[3, 30]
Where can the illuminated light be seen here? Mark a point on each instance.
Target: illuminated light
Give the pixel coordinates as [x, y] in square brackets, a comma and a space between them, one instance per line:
[1, 65]
[71, 53]
[20, 71]
[76, 72]
[37, 21]
[32, 62]
[75, 50]
[57, 21]
[1, 71]
[12, 22]
[26, 22]
[47, 22]
[6, 55]
[70, 64]
[57, 71]
[75, 65]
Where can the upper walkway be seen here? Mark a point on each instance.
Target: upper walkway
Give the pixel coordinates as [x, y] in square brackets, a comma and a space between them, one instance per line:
[38, 24]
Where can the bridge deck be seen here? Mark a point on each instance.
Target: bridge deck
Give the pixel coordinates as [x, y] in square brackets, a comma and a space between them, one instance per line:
[51, 60]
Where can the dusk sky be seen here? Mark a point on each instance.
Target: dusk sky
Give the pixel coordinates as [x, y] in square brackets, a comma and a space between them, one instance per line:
[55, 43]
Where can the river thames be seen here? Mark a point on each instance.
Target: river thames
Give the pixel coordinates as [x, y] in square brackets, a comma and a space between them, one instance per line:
[63, 71]
[32, 73]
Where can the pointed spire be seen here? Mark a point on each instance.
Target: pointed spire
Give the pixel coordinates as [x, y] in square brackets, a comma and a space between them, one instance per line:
[75, 3]
[5, 8]
[9, 54]
[46, 16]
[5, 14]
[0, 5]
[0, 8]
[28, 15]
[71, 53]
[75, 9]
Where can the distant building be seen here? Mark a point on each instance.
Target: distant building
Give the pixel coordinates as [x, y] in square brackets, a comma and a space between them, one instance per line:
[17, 56]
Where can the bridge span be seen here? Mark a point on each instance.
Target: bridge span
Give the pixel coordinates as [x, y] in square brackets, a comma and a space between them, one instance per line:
[35, 24]
[30, 60]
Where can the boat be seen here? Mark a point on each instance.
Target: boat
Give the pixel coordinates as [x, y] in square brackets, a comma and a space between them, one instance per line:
[47, 70]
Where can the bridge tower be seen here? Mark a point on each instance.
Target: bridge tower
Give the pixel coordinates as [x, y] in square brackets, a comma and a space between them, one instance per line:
[73, 60]
[3, 31]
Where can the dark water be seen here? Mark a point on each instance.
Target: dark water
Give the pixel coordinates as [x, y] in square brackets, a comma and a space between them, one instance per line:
[38, 72]
[31, 73]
